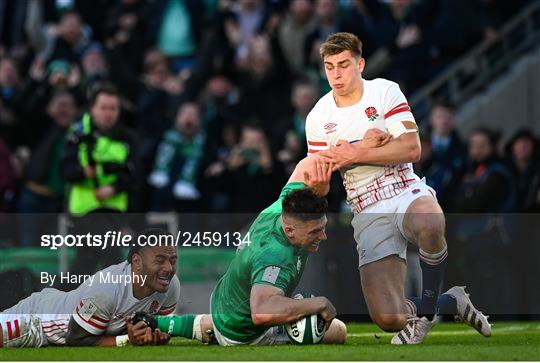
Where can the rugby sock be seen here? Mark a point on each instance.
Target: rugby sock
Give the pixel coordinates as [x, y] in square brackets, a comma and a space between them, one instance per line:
[177, 325]
[446, 305]
[433, 266]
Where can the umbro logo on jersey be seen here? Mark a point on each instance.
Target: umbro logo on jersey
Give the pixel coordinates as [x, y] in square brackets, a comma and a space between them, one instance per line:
[330, 127]
[371, 113]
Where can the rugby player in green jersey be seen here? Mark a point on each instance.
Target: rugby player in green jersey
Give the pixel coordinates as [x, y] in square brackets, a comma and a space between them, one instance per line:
[253, 299]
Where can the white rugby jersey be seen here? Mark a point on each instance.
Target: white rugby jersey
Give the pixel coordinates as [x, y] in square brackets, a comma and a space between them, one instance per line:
[382, 106]
[102, 307]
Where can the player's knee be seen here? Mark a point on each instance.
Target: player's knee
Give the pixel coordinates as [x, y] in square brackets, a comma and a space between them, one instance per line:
[390, 322]
[336, 333]
[429, 231]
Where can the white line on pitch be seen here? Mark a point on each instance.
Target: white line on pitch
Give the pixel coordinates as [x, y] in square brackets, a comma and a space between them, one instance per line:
[455, 332]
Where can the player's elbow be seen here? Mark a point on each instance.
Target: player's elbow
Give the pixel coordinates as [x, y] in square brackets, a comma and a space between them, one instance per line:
[261, 319]
[414, 153]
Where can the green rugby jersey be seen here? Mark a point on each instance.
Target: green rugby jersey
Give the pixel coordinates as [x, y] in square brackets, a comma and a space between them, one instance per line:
[269, 259]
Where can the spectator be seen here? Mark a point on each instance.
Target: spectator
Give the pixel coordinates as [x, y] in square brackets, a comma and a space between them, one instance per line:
[291, 137]
[444, 154]
[126, 25]
[67, 40]
[361, 20]
[522, 152]
[216, 190]
[43, 83]
[487, 186]
[244, 20]
[10, 88]
[44, 187]
[99, 164]
[178, 161]
[95, 68]
[401, 35]
[487, 190]
[157, 105]
[293, 30]
[221, 111]
[250, 170]
[328, 22]
[265, 83]
[175, 28]
[8, 179]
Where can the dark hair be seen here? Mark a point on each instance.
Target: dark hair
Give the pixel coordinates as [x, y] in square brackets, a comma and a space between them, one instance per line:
[304, 204]
[522, 134]
[491, 135]
[339, 42]
[101, 88]
[60, 93]
[443, 103]
[138, 247]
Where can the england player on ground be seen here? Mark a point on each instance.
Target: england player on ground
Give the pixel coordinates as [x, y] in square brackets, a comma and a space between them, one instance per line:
[253, 300]
[391, 205]
[95, 313]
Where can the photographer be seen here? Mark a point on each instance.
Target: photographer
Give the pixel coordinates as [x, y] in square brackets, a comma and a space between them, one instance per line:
[98, 164]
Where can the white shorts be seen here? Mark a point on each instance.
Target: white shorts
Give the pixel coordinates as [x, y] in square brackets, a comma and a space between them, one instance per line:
[22, 324]
[378, 229]
[275, 335]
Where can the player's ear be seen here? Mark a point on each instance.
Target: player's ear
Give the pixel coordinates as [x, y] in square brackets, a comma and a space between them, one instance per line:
[136, 262]
[361, 64]
[289, 230]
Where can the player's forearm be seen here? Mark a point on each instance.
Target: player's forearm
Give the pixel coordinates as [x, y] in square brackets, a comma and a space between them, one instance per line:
[79, 337]
[278, 310]
[405, 149]
[107, 341]
[91, 340]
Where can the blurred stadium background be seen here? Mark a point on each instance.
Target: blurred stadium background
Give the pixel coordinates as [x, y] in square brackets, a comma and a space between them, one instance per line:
[204, 81]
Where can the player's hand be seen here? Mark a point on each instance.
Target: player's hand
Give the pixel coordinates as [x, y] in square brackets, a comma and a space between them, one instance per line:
[139, 334]
[104, 192]
[375, 138]
[329, 311]
[89, 172]
[160, 338]
[319, 174]
[340, 156]
[320, 171]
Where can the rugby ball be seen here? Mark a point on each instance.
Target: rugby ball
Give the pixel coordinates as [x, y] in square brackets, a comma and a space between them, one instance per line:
[308, 330]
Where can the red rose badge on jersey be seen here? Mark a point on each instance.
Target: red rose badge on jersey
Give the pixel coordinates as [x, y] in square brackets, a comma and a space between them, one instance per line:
[371, 113]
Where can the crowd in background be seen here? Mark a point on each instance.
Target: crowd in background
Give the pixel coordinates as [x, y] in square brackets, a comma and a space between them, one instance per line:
[216, 93]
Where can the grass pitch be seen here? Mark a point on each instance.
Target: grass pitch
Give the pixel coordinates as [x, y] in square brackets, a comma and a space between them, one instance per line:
[447, 341]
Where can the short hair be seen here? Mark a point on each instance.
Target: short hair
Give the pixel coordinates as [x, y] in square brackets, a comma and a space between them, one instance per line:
[138, 247]
[102, 88]
[446, 104]
[491, 135]
[339, 42]
[304, 204]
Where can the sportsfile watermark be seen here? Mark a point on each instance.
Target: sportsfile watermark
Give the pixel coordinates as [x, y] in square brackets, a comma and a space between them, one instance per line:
[122, 239]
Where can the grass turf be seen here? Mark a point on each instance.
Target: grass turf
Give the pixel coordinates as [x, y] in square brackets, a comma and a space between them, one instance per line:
[447, 341]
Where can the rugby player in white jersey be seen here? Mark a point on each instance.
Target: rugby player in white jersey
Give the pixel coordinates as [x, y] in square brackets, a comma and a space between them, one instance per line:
[391, 205]
[97, 312]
